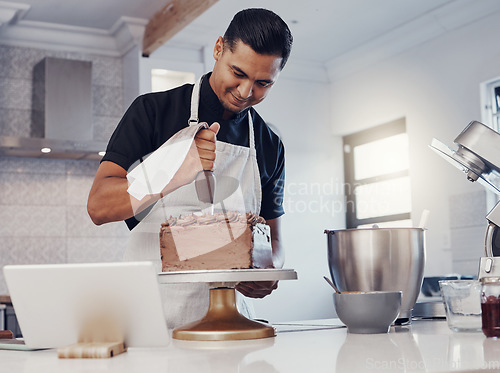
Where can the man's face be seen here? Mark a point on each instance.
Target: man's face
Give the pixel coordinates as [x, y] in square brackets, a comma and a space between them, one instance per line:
[242, 78]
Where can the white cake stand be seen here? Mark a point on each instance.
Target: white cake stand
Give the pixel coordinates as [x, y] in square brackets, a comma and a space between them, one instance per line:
[223, 321]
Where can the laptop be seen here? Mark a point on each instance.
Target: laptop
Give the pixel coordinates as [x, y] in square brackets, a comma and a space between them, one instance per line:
[53, 302]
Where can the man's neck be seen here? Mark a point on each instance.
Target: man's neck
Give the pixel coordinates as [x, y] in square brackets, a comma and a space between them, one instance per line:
[227, 115]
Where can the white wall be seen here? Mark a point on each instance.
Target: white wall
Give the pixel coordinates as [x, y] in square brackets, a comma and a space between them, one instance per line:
[300, 111]
[436, 87]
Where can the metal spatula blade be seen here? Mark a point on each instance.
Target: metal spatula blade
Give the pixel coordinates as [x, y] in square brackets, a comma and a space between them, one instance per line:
[205, 186]
[205, 189]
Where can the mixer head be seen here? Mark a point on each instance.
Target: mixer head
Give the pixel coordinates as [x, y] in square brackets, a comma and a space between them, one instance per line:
[478, 154]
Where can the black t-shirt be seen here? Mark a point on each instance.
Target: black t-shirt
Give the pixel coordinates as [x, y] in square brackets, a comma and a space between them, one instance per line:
[154, 117]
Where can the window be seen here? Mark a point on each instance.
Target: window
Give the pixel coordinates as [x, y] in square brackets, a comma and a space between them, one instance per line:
[161, 79]
[496, 102]
[490, 102]
[490, 116]
[377, 181]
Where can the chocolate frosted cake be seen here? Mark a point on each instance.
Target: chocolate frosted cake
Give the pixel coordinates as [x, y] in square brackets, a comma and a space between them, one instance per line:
[221, 241]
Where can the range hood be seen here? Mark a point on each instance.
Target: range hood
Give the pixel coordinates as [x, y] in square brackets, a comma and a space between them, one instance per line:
[61, 118]
[33, 147]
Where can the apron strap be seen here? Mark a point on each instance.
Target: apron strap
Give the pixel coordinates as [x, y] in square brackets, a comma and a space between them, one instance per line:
[195, 100]
[251, 135]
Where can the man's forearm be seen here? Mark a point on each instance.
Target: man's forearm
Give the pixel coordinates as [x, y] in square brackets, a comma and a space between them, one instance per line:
[108, 198]
[110, 201]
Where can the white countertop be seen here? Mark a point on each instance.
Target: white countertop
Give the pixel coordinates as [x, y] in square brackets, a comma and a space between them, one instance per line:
[423, 346]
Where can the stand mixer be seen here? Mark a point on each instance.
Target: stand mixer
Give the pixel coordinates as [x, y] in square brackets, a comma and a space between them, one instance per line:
[478, 155]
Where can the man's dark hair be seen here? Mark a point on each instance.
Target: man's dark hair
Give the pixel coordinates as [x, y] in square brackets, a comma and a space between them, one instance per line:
[261, 29]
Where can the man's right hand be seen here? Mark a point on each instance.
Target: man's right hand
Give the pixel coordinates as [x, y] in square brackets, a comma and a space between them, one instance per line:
[205, 144]
[201, 156]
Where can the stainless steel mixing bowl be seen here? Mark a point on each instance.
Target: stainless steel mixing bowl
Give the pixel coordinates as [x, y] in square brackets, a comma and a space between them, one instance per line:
[379, 259]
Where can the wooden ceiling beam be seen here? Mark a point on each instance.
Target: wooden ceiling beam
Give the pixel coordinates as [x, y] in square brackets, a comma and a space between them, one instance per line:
[172, 18]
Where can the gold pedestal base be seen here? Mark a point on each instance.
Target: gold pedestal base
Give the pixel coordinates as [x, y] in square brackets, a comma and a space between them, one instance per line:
[223, 322]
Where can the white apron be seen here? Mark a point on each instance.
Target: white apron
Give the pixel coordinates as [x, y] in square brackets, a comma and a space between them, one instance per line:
[184, 303]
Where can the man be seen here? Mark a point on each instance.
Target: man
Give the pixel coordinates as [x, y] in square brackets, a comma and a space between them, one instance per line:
[248, 60]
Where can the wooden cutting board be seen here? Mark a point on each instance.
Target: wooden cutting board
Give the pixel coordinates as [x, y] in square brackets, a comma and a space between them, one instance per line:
[100, 337]
[91, 350]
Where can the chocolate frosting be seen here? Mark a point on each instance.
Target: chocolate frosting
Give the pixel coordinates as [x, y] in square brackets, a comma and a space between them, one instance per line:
[206, 219]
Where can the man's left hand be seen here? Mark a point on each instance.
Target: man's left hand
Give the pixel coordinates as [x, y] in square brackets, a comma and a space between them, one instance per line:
[257, 289]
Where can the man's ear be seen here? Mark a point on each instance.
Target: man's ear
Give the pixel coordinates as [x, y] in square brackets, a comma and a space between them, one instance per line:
[218, 48]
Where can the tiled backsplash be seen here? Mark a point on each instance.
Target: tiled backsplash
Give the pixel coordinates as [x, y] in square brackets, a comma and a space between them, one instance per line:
[43, 211]
[44, 217]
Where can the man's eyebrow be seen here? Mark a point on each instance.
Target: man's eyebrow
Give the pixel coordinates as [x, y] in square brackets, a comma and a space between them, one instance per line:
[267, 81]
[234, 67]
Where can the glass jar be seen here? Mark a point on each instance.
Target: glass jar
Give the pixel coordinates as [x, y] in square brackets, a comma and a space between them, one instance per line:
[490, 306]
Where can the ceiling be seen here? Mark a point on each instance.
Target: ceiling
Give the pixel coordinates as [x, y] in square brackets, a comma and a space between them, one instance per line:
[323, 30]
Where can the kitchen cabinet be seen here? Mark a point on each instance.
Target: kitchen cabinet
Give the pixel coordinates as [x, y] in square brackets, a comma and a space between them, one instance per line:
[423, 346]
